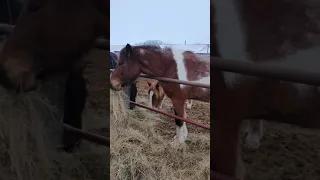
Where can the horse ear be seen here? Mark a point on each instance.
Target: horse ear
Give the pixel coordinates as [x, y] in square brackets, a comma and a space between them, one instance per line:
[128, 50]
[149, 84]
[157, 85]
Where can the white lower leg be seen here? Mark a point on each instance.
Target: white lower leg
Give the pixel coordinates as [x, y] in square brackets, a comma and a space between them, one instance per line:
[185, 129]
[255, 133]
[180, 134]
[182, 131]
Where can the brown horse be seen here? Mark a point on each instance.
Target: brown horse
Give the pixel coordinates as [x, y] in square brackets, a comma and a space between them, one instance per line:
[157, 95]
[50, 37]
[155, 61]
[261, 31]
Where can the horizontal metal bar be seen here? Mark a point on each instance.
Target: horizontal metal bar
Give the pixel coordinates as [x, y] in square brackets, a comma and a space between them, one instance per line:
[265, 70]
[190, 83]
[88, 136]
[173, 116]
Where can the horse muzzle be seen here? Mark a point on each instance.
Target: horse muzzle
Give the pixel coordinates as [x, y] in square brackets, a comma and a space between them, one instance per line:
[116, 85]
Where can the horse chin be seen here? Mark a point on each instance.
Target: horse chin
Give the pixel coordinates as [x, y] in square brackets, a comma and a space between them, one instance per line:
[117, 87]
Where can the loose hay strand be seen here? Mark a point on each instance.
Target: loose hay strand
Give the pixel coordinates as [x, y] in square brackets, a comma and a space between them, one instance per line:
[26, 150]
[142, 148]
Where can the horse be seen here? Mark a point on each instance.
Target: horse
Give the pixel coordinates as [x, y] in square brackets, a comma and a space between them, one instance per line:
[276, 32]
[46, 42]
[157, 95]
[131, 90]
[170, 63]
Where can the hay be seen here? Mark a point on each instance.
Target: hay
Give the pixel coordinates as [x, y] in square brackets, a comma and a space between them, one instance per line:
[27, 150]
[141, 150]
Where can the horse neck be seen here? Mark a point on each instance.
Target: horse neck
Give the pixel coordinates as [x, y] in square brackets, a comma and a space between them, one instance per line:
[156, 66]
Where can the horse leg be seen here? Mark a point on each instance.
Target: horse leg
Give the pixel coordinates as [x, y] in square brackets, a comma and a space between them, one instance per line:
[74, 101]
[225, 147]
[181, 127]
[254, 134]
[133, 94]
[189, 103]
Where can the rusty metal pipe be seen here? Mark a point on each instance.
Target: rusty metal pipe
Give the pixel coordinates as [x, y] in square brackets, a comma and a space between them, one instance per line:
[265, 70]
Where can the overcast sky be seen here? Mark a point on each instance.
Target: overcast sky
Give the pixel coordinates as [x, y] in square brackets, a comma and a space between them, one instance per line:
[171, 21]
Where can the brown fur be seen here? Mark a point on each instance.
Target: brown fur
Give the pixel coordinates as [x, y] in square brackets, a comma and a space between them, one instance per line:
[50, 37]
[159, 62]
[274, 29]
[158, 95]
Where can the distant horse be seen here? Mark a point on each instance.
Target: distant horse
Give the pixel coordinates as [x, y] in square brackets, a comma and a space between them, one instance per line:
[261, 31]
[50, 38]
[155, 61]
[157, 95]
[131, 89]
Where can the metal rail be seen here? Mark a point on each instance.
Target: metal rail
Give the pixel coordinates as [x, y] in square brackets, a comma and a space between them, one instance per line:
[88, 136]
[173, 116]
[265, 70]
[190, 83]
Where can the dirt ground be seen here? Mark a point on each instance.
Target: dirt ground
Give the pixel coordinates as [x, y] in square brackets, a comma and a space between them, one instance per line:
[286, 153]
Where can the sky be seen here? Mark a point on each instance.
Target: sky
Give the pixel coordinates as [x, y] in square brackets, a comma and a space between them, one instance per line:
[171, 21]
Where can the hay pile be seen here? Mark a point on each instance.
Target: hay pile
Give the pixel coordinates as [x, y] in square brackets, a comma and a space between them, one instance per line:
[142, 147]
[28, 151]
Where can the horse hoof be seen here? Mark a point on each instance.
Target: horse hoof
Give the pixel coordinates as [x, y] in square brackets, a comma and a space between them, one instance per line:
[180, 139]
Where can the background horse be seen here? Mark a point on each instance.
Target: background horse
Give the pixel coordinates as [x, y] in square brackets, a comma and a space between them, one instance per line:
[157, 95]
[45, 42]
[131, 89]
[182, 65]
[261, 31]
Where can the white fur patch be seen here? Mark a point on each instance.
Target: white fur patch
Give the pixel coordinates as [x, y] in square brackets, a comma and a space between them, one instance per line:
[231, 41]
[181, 133]
[142, 52]
[181, 68]
[150, 98]
[182, 71]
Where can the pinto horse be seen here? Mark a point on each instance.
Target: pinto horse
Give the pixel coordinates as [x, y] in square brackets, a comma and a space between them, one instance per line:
[130, 90]
[157, 95]
[46, 41]
[155, 61]
[284, 32]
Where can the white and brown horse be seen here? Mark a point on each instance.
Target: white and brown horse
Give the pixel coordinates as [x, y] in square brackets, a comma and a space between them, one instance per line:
[286, 32]
[157, 95]
[176, 64]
